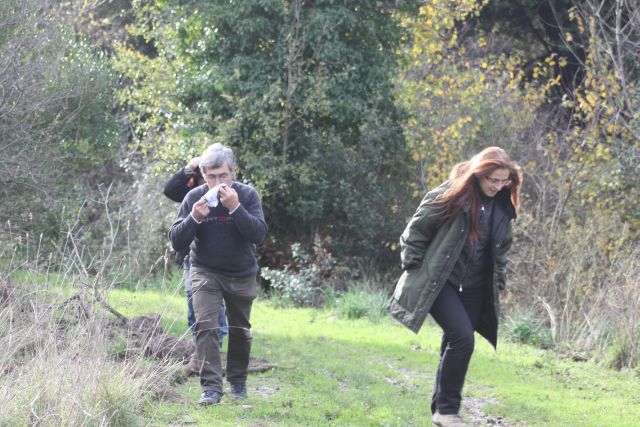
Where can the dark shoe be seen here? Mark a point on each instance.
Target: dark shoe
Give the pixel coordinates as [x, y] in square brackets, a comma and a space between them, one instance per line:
[210, 397]
[238, 391]
[447, 420]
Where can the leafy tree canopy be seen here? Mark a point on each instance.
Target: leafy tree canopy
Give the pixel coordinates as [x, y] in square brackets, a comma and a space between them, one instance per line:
[301, 90]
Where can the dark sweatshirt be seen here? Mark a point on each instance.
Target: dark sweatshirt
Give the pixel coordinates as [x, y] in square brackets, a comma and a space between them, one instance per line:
[178, 186]
[469, 270]
[223, 242]
[176, 189]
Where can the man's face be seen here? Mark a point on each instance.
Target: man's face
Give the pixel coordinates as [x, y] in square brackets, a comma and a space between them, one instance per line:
[215, 176]
[494, 182]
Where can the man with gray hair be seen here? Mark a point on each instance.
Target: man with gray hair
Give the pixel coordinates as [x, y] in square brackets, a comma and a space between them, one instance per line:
[223, 222]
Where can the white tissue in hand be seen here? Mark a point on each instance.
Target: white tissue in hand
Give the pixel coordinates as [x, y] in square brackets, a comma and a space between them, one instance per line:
[212, 195]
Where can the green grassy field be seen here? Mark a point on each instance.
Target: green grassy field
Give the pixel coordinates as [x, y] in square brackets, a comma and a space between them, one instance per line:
[359, 373]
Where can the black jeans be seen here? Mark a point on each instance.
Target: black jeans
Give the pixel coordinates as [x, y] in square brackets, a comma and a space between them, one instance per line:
[457, 313]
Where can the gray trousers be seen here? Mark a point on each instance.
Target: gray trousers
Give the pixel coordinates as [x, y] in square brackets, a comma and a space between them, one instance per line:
[209, 289]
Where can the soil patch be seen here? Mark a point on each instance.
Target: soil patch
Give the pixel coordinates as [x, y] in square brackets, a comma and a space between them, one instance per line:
[472, 407]
[145, 337]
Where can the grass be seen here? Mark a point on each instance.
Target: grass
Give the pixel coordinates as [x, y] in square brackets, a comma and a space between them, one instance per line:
[334, 371]
[55, 367]
[362, 300]
[331, 370]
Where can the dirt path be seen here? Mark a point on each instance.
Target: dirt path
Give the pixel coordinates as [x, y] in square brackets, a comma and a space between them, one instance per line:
[472, 407]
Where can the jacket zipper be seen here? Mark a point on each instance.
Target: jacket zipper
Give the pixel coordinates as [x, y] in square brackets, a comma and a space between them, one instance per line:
[501, 230]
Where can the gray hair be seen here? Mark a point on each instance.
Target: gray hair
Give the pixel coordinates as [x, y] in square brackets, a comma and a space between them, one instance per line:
[215, 156]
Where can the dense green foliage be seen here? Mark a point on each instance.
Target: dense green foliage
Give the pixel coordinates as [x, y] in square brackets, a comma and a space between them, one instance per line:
[302, 91]
[58, 134]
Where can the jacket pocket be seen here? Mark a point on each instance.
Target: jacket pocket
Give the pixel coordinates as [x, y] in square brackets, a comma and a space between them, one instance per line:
[411, 285]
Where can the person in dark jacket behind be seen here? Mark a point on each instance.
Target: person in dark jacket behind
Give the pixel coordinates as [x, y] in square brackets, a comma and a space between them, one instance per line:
[222, 222]
[176, 189]
[453, 254]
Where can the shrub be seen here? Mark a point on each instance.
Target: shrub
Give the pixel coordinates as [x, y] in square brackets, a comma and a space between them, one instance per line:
[362, 300]
[58, 133]
[57, 364]
[584, 279]
[526, 329]
[296, 287]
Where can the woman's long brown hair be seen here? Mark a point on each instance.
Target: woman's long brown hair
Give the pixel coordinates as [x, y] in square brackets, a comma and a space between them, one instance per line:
[464, 189]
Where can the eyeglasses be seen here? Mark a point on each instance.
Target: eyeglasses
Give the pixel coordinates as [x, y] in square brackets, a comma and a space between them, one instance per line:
[496, 181]
[221, 177]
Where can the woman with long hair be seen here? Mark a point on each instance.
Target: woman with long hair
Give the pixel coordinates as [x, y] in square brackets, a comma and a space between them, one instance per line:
[453, 254]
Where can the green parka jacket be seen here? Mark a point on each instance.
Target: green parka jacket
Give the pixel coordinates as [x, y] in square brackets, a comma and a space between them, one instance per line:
[429, 251]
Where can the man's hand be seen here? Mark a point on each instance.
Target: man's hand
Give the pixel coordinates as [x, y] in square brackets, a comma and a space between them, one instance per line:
[194, 163]
[200, 210]
[192, 166]
[229, 197]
